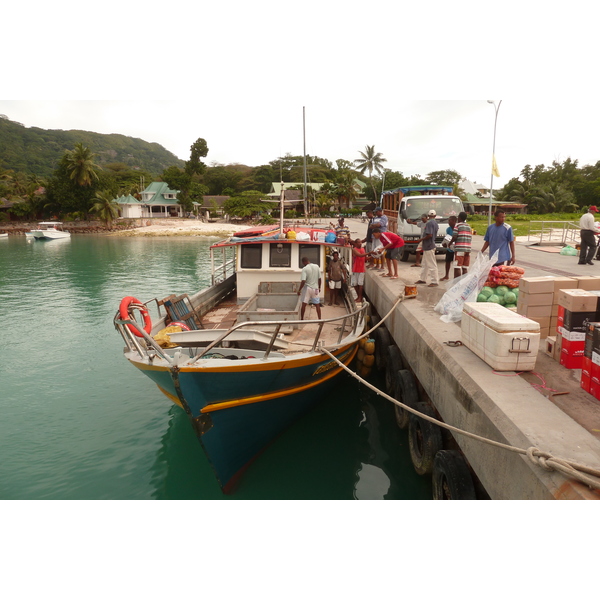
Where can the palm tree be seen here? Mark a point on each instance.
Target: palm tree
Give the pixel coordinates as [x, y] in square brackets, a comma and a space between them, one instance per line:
[370, 161]
[106, 208]
[80, 165]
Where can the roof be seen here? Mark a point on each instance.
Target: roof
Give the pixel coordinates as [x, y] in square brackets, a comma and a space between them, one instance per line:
[129, 199]
[158, 189]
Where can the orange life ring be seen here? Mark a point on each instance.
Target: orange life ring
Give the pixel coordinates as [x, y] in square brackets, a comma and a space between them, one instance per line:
[124, 314]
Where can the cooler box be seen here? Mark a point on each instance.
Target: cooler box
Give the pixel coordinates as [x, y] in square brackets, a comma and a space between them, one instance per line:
[503, 339]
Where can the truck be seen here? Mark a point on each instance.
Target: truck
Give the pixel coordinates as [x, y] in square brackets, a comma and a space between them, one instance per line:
[404, 206]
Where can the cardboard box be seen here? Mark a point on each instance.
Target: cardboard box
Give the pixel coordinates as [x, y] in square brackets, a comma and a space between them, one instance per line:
[535, 312]
[563, 283]
[571, 354]
[543, 321]
[586, 374]
[578, 321]
[549, 346]
[554, 312]
[577, 300]
[558, 347]
[537, 285]
[535, 299]
[553, 323]
[588, 282]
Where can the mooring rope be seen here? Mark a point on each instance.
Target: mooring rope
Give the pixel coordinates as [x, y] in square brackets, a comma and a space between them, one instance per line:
[535, 455]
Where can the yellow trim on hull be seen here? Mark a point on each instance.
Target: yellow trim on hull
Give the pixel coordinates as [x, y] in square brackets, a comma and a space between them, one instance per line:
[172, 398]
[279, 394]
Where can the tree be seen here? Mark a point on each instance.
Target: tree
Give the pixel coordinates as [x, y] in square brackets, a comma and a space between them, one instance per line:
[370, 161]
[106, 208]
[198, 150]
[447, 177]
[246, 205]
[80, 165]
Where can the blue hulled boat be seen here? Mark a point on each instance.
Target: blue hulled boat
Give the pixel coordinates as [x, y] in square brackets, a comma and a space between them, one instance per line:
[236, 356]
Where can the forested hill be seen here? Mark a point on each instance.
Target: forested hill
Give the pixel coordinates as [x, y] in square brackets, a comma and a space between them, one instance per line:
[37, 151]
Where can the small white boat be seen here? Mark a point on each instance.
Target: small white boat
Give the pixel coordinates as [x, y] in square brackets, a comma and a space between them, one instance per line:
[3, 235]
[50, 230]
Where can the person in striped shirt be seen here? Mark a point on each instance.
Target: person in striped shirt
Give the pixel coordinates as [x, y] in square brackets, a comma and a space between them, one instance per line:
[461, 239]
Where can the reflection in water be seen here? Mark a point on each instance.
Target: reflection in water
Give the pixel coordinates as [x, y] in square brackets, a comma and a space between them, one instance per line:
[372, 483]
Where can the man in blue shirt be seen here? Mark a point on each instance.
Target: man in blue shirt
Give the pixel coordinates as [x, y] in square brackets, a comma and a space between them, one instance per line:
[499, 236]
[429, 264]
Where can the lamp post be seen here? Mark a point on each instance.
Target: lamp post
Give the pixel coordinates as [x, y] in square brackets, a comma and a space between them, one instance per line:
[496, 108]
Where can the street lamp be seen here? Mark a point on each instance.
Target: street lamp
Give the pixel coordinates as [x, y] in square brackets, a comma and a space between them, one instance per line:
[496, 108]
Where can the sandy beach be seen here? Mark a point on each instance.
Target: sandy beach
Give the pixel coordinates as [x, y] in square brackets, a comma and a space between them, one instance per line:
[174, 226]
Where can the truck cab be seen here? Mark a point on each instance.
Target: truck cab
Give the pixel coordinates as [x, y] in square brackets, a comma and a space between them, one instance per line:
[404, 207]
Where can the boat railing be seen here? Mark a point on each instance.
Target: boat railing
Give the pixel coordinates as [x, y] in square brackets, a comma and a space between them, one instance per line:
[356, 317]
[133, 342]
[222, 265]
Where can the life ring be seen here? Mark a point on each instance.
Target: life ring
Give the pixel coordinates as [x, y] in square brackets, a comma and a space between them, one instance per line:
[451, 477]
[124, 308]
[179, 324]
[424, 439]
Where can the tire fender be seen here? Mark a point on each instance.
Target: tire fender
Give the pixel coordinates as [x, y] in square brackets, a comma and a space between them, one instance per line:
[424, 439]
[407, 393]
[451, 477]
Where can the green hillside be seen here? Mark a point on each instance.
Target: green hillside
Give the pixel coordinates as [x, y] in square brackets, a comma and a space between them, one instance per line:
[37, 151]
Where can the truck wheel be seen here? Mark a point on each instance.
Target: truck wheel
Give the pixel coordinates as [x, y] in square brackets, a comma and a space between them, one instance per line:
[407, 393]
[451, 477]
[405, 255]
[424, 440]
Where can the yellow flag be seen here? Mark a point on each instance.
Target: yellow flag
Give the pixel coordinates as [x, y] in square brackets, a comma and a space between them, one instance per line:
[495, 171]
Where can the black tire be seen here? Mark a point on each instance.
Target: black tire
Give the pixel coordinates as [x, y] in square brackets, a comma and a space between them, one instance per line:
[451, 477]
[382, 342]
[394, 364]
[424, 440]
[407, 393]
[405, 255]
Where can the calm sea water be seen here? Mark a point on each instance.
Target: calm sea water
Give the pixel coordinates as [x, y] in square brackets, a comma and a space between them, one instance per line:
[78, 422]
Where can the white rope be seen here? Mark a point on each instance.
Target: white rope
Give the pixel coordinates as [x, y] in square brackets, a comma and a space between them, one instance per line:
[537, 457]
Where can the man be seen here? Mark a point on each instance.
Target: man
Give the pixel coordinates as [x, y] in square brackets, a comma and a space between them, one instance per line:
[311, 284]
[588, 232]
[449, 247]
[358, 269]
[369, 239]
[335, 274]
[462, 238]
[499, 236]
[392, 245]
[429, 267]
[421, 225]
[380, 222]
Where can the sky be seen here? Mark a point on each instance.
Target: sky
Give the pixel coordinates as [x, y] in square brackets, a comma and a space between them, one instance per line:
[411, 81]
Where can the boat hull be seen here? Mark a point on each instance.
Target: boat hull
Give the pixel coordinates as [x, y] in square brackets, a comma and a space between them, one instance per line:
[40, 234]
[237, 411]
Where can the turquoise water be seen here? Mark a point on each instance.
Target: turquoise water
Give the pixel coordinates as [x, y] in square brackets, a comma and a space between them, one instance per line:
[78, 422]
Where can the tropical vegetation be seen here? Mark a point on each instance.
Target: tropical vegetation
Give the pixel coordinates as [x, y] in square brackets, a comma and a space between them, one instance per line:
[43, 177]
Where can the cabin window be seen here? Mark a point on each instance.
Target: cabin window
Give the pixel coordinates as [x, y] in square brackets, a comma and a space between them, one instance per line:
[251, 256]
[280, 255]
[312, 252]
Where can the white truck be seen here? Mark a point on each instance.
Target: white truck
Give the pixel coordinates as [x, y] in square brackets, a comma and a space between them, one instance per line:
[405, 205]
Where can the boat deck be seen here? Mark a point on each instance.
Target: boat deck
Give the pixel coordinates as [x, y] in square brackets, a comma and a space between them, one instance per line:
[300, 339]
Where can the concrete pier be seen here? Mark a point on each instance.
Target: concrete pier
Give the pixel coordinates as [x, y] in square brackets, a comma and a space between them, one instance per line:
[502, 407]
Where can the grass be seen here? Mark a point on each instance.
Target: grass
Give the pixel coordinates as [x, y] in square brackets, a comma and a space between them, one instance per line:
[520, 223]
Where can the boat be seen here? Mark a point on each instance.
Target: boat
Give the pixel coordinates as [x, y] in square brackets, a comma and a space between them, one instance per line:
[237, 357]
[3, 235]
[50, 230]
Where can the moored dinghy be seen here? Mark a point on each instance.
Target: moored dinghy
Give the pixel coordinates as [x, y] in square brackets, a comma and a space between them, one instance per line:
[240, 362]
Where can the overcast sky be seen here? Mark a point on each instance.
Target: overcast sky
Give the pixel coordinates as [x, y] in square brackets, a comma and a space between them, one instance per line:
[413, 82]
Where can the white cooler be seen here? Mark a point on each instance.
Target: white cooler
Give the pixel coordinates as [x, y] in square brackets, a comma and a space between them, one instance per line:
[503, 339]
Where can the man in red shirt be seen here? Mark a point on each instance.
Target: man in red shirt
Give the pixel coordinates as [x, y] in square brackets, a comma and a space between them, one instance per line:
[358, 268]
[392, 244]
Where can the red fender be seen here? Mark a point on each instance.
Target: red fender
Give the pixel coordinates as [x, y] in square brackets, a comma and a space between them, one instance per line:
[124, 314]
